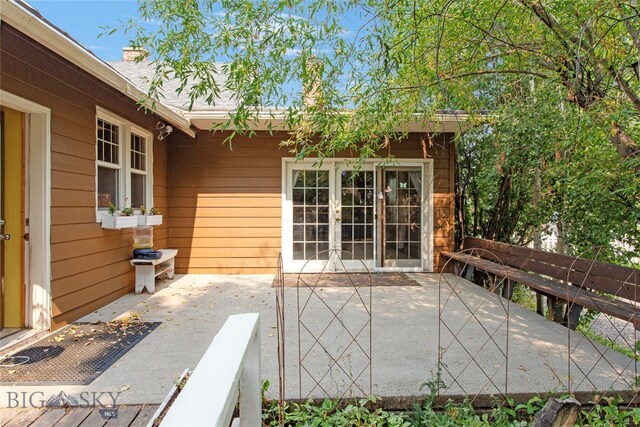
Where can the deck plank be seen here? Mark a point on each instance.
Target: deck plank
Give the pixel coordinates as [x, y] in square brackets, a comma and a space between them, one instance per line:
[144, 416]
[26, 417]
[7, 414]
[95, 419]
[49, 418]
[126, 415]
[74, 417]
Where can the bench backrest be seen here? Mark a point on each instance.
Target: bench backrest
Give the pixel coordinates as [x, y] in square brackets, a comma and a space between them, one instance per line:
[596, 275]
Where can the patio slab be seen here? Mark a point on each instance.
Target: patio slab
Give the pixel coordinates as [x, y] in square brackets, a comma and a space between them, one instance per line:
[192, 308]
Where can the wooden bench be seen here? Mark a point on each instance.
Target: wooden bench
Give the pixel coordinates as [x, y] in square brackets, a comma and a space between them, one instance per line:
[147, 270]
[580, 282]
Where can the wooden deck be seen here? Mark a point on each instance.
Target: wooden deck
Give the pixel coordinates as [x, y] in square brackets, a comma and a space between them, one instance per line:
[127, 416]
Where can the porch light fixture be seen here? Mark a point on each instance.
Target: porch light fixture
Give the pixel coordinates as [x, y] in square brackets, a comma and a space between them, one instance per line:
[163, 129]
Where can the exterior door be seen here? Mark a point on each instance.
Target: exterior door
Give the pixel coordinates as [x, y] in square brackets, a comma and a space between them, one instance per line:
[402, 229]
[374, 218]
[311, 222]
[11, 208]
[355, 217]
[2, 234]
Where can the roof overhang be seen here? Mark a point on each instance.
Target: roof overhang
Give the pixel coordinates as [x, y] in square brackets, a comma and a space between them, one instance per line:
[274, 120]
[19, 17]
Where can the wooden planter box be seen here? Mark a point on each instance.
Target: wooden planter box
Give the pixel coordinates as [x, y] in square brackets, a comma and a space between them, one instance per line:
[117, 222]
[149, 219]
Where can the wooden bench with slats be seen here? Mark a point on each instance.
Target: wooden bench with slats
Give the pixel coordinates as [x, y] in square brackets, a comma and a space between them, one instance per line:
[580, 282]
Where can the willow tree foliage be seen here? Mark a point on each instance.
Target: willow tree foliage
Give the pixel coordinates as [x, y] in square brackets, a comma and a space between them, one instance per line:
[538, 143]
[558, 82]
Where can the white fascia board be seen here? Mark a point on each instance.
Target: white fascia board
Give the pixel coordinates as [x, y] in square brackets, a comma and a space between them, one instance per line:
[50, 37]
[442, 123]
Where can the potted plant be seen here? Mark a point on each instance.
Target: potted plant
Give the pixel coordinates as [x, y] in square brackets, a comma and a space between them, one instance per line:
[149, 217]
[115, 220]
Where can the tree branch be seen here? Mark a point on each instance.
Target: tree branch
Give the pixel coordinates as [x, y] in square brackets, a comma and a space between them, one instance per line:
[626, 88]
[469, 74]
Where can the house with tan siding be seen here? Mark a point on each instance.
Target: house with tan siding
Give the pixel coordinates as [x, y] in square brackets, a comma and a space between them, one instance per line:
[75, 139]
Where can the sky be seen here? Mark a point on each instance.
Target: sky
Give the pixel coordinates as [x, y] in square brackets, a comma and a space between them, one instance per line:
[83, 19]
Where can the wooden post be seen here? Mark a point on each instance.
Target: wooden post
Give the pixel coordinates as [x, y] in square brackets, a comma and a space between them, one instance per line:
[468, 272]
[573, 316]
[555, 306]
[507, 289]
[250, 399]
[457, 268]
[539, 304]
[228, 372]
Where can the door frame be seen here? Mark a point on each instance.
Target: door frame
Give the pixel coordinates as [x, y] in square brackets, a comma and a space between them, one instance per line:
[332, 164]
[37, 208]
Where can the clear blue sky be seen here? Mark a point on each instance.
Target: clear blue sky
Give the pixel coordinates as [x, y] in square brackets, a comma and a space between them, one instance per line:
[82, 20]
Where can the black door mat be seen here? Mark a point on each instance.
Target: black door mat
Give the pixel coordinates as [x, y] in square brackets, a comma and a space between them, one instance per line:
[76, 354]
[342, 280]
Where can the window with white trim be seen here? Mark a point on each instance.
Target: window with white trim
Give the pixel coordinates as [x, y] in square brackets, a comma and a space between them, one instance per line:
[124, 164]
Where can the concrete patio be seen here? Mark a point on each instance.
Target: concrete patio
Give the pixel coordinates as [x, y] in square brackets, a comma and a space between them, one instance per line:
[192, 308]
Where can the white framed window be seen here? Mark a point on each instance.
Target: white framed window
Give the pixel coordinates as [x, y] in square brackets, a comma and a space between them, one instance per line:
[124, 164]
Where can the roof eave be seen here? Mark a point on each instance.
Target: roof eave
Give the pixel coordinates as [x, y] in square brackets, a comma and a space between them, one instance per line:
[24, 20]
[274, 120]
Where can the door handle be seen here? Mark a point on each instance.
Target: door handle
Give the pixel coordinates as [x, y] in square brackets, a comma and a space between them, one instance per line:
[5, 236]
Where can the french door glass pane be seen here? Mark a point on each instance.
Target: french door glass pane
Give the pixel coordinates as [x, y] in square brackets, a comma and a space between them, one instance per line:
[357, 197]
[403, 224]
[310, 214]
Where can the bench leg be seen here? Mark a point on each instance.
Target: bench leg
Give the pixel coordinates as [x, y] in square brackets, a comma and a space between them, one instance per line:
[145, 278]
[573, 316]
[457, 268]
[539, 304]
[556, 312]
[468, 272]
[507, 289]
[172, 268]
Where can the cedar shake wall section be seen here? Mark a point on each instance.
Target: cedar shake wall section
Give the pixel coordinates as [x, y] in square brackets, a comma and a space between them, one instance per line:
[89, 266]
[225, 205]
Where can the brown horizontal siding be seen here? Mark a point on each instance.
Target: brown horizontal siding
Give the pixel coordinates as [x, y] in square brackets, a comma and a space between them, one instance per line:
[228, 270]
[227, 182]
[225, 212]
[73, 164]
[77, 282]
[90, 266]
[83, 263]
[75, 311]
[226, 205]
[66, 145]
[72, 181]
[73, 248]
[251, 201]
[227, 243]
[224, 232]
[266, 261]
[73, 198]
[257, 221]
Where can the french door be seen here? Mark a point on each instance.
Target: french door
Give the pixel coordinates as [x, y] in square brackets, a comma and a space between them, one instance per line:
[374, 217]
[355, 217]
[401, 225]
